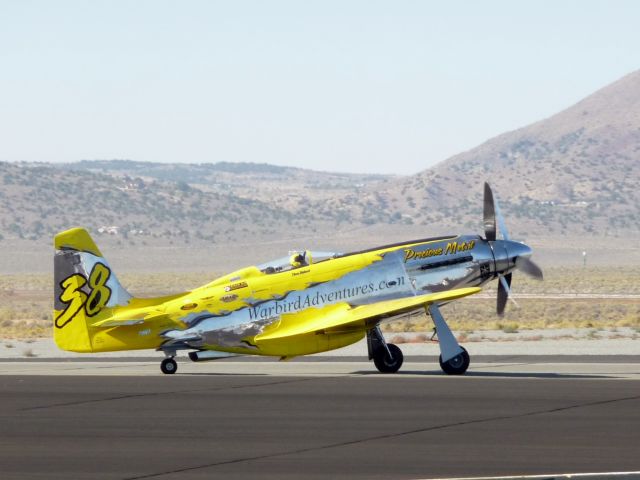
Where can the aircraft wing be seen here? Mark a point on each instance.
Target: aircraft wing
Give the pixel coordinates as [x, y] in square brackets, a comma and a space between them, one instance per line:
[344, 317]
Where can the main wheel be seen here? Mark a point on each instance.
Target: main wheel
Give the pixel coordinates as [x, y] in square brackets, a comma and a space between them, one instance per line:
[388, 364]
[169, 366]
[457, 365]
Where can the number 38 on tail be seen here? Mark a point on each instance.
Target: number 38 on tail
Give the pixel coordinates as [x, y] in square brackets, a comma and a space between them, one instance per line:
[305, 303]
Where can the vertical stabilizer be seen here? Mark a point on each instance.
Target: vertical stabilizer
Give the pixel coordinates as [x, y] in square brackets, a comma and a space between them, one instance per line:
[85, 289]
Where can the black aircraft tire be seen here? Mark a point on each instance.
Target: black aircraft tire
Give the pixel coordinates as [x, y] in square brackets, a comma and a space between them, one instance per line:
[384, 363]
[457, 365]
[169, 366]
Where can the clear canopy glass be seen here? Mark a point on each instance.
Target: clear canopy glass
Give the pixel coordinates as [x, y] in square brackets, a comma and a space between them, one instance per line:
[296, 259]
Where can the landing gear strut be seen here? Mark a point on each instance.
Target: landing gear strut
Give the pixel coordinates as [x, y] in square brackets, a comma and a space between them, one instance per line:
[454, 359]
[169, 366]
[387, 357]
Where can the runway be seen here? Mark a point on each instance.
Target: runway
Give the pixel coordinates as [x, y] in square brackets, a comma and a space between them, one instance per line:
[324, 419]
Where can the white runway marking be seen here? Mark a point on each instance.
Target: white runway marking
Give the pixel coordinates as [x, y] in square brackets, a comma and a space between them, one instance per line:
[552, 476]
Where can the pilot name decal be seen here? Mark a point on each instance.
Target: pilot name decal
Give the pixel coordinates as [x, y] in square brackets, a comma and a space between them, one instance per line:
[450, 249]
[305, 300]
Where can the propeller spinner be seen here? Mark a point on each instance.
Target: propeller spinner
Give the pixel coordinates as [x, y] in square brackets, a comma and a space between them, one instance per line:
[509, 255]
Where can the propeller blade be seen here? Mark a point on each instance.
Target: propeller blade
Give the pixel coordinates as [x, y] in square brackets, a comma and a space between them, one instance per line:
[512, 297]
[489, 214]
[504, 289]
[527, 266]
[502, 228]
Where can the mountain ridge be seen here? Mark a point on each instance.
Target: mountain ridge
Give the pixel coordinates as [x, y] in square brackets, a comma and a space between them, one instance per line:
[579, 166]
[574, 173]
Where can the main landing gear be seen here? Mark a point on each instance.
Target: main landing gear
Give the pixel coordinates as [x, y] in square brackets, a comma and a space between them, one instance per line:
[169, 365]
[457, 365]
[454, 359]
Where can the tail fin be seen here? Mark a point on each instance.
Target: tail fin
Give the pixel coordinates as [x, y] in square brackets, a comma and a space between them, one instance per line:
[85, 289]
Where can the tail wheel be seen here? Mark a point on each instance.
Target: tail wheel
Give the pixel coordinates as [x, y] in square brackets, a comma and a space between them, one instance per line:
[169, 366]
[386, 363]
[457, 365]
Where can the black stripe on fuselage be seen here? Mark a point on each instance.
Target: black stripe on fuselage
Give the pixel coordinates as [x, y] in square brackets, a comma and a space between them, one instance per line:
[446, 263]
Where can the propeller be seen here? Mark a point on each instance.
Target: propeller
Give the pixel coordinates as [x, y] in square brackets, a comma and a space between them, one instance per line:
[489, 214]
[504, 289]
[525, 265]
[491, 217]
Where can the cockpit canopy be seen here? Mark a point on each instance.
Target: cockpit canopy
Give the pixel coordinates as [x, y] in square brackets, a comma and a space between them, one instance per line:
[295, 259]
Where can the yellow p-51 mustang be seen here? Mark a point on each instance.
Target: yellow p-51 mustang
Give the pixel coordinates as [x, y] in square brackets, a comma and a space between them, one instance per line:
[306, 303]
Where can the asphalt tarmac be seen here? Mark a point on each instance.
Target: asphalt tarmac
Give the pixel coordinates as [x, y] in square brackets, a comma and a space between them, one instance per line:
[324, 420]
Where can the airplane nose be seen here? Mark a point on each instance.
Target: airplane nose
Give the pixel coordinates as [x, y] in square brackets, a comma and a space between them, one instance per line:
[506, 252]
[517, 256]
[517, 249]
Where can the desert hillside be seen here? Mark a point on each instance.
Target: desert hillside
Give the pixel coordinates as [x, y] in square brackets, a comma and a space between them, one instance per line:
[574, 173]
[572, 176]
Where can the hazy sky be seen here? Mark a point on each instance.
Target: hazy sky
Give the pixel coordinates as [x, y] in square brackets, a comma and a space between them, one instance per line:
[347, 85]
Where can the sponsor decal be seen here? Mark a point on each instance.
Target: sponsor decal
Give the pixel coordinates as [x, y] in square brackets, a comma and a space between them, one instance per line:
[235, 286]
[297, 301]
[229, 298]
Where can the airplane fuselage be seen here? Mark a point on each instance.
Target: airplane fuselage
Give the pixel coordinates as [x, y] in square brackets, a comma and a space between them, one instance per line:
[231, 313]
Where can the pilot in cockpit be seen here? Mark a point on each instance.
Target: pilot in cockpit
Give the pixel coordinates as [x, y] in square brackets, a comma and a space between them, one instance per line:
[301, 259]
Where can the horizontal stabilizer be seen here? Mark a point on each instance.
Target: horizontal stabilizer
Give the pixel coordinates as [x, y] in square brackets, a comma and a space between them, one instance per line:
[127, 318]
[117, 323]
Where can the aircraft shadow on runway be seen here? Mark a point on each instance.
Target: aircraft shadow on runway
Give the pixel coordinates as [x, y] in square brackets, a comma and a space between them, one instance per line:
[423, 373]
[221, 374]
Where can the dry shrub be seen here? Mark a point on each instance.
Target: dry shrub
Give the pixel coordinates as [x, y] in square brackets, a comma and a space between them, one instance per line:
[534, 338]
[420, 338]
[398, 339]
